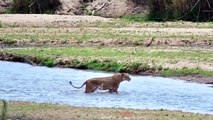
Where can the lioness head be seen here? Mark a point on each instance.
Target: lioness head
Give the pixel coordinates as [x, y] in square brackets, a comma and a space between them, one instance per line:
[125, 76]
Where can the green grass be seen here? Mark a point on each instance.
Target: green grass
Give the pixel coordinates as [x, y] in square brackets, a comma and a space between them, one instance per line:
[117, 53]
[130, 59]
[34, 111]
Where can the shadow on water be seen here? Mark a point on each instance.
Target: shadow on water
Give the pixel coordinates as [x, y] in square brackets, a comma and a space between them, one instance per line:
[50, 85]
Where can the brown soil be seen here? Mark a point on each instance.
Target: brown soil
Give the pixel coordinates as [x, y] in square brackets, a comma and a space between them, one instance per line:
[110, 43]
[106, 8]
[69, 7]
[44, 20]
[16, 58]
[116, 8]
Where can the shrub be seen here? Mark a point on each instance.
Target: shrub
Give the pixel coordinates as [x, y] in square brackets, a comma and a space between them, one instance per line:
[4, 110]
[7, 41]
[48, 62]
[34, 6]
[193, 10]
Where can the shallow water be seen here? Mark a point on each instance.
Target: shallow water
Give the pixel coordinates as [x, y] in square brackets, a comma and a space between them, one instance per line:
[50, 85]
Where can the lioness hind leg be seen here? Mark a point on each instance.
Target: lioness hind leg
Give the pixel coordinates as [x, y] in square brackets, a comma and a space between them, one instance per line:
[89, 88]
[94, 88]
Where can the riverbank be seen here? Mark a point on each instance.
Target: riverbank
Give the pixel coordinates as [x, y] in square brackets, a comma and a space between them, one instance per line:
[35, 111]
[169, 49]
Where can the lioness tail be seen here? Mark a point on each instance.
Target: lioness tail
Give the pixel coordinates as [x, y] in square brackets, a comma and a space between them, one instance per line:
[77, 87]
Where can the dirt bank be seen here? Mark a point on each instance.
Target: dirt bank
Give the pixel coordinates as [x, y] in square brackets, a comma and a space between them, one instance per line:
[116, 8]
[45, 20]
[105, 8]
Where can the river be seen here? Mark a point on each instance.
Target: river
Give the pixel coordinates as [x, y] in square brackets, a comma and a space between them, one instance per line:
[41, 84]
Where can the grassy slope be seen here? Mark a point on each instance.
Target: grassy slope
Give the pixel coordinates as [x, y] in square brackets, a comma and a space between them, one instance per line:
[165, 61]
[49, 111]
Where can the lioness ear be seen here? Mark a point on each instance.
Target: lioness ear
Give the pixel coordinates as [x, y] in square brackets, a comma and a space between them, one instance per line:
[122, 75]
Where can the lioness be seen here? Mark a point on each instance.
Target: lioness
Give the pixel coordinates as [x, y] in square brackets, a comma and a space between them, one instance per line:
[110, 83]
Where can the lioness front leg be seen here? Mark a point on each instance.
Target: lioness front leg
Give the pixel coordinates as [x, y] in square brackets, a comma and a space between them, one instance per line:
[113, 90]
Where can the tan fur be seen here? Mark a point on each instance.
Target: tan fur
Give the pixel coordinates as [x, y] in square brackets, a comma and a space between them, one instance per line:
[110, 83]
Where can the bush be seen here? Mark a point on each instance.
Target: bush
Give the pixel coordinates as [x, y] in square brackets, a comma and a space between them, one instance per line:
[35, 6]
[48, 62]
[108, 66]
[4, 110]
[193, 10]
[7, 41]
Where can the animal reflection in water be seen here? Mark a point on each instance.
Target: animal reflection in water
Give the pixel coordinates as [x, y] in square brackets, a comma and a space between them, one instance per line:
[110, 83]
